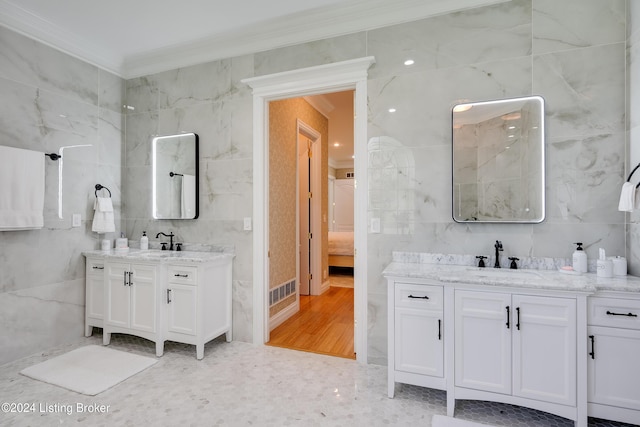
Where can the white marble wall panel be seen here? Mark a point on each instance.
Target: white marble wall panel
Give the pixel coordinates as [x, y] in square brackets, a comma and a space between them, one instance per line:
[633, 63]
[60, 304]
[584, 90]
[34, 64]
[311, 54]
[49, 100]
[480, 35]
[566, 25]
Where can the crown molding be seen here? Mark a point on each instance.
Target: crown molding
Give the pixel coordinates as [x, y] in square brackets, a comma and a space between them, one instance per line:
[321, 104]
[301, 27]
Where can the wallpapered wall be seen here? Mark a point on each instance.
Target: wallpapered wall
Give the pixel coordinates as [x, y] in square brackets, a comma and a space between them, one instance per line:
[283, 116]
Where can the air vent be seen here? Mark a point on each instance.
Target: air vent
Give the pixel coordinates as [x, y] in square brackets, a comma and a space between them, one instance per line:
[282, 291]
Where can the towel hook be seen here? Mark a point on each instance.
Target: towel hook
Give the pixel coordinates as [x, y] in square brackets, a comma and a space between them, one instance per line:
[102, 187]
[631, 174]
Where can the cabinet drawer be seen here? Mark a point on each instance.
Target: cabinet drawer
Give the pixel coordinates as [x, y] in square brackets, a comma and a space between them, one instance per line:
[618, 313]
[427, 297]
[181, 274]
[95, 266]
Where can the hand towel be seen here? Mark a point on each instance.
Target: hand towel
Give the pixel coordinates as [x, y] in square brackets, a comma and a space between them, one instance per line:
[627, 197]
[188, 196]
[21, 189]
[103, 219]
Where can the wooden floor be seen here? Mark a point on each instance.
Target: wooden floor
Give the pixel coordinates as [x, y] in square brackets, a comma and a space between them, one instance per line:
[323, 325]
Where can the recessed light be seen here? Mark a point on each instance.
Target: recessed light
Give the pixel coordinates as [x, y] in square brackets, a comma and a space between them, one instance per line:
[336, 144]
[409, 62]
[512, 127]
[392, 110]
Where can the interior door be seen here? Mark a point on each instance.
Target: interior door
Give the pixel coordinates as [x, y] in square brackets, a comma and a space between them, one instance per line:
[304, 205]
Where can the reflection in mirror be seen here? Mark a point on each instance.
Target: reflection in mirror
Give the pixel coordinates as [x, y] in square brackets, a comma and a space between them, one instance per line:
[498, 161]
[175, 176]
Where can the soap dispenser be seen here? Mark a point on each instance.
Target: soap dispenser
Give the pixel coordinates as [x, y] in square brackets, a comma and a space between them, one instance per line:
[579, 259]
[144, 241]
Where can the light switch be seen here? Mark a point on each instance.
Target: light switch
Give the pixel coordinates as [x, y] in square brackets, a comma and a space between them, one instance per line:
[247, 224]
[375, 225]
[76, 220]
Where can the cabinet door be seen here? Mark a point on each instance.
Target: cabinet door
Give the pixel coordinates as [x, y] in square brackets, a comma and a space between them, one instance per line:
[95, 296]
[419, 342]
[117, 295]
[613, 373]
[181, 306]
[544, 348]
[143, 297]
[483, 341]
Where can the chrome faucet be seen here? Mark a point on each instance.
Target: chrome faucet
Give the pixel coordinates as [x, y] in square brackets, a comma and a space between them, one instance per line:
[170, 236]
[499, 249]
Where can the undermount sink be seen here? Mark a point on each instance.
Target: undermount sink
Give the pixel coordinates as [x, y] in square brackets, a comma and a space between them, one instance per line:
[506, 273]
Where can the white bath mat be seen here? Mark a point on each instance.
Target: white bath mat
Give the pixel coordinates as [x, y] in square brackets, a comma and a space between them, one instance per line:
[442, 421]
[89, 370]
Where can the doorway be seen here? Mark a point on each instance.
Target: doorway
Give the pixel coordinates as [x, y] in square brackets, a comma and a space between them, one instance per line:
[323, 319]
[346, 75]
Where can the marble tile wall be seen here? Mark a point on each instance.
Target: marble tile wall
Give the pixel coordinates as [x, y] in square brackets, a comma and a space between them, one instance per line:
[633, 105]
[50, 100]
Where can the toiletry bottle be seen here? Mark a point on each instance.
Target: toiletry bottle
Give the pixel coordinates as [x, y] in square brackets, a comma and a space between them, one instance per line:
[579, 259]
[144, 241]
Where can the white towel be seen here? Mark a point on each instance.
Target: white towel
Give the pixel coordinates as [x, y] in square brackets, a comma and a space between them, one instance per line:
[103, 219]
[627, 197]
[21, 189]
[188, 196]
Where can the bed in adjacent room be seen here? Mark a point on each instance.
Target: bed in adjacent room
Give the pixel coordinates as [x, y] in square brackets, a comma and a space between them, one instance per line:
[341, 249]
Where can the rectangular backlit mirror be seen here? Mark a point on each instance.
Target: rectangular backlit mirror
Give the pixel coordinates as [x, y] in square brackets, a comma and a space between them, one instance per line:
[498, 161]
[175, 176]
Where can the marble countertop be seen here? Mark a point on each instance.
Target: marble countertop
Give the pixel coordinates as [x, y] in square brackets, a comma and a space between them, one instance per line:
[524, 278]
[161, 256]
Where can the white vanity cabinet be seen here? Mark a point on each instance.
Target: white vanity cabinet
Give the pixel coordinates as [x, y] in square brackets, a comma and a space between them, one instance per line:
[198, 303]
[161, 296]
[518, 345]
[416, 334]
[614, 358]
[131, 301]
[94, 295]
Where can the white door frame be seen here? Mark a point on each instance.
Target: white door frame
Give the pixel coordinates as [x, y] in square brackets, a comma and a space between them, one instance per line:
[339, 76]
[315, 210]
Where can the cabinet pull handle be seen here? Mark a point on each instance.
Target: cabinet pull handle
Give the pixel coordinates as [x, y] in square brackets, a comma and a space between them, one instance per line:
[439, 329]
[180, 275]
[95, 267]
[168, 296]
[518, 321]
[508, 317]
[611, 313]
[593, 346]
[125, 278]
[424, 297]
[130, 281]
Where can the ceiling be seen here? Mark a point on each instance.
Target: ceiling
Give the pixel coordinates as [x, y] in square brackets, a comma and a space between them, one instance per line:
[132, 38]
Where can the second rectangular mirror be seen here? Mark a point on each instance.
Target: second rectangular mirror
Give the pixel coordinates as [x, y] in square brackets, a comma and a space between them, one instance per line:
[175, 176]
[498, 161]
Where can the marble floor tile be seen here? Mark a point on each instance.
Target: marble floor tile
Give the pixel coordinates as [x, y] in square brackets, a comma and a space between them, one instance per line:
[241, 384]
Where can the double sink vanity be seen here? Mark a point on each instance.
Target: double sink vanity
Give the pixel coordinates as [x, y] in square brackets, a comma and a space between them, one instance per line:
[159, 295]
[559, 343]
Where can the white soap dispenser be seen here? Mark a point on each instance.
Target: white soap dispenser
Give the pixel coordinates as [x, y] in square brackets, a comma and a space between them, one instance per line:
[579, 259]
[144, 241]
